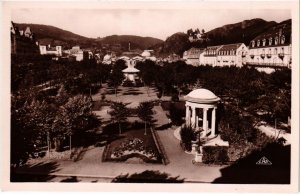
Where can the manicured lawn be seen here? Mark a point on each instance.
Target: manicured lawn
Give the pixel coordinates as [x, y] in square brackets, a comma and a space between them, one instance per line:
[132, 143]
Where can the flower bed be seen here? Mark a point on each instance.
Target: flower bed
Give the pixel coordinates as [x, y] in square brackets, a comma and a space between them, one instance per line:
[133, 144]
[133, 147]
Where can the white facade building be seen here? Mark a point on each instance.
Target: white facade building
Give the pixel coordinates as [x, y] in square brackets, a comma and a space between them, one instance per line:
[50, 50]
[232, 55]
[210, 55]
[273, 48]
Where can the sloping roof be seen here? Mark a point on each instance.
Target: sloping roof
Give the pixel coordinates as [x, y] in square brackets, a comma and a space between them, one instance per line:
[214, 47]
[227, 47]
[130, 54]
[130, 69]
[276, 31]
[285, 28]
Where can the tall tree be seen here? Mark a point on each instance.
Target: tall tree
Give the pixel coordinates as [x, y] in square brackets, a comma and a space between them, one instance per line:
[116, 76]
[73, 117]
[119, 113]
[145, 113]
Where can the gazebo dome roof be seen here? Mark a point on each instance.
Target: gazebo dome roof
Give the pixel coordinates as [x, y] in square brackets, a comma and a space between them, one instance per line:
[130, 70]
[202, 96]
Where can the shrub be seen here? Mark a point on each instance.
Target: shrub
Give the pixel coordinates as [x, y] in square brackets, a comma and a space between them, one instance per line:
[176, 114]
[187, 135]
[215, 154]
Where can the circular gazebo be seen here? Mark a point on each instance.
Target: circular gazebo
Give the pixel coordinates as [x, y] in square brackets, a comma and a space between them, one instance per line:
[130, 72]
[201, 105]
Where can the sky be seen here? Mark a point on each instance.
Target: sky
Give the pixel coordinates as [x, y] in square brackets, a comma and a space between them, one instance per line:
[156, 23]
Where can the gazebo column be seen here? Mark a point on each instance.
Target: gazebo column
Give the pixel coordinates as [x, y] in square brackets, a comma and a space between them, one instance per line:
[187, 115]
[213, 122]
[193, 116]
[205, 121]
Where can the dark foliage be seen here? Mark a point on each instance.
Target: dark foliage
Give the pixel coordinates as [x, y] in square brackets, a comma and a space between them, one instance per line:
[187, 136]
[176, 114]
[246, 171]
[147, 177]
[215, 155]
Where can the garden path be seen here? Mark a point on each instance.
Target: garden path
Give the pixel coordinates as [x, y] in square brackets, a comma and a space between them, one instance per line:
[91, 167]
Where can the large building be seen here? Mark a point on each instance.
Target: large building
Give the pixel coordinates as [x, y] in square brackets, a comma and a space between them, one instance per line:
[210, 55]
[272, 48]
[224, 55]
[232, 55]
[192, 56]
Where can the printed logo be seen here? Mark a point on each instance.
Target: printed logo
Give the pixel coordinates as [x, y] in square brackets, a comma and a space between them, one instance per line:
[264, 161]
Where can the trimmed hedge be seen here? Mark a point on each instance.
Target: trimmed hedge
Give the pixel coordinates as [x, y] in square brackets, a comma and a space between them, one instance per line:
[215, 155]
[187, 136]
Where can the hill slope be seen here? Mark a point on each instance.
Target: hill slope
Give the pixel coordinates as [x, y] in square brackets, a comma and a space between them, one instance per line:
[243, 31]
[51, 33]
[136, 42]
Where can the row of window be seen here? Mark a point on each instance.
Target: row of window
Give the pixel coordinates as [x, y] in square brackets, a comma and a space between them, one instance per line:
[268, 42]
[268, 51]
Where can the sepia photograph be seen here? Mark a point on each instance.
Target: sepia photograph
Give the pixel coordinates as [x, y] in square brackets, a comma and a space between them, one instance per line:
[151, 94]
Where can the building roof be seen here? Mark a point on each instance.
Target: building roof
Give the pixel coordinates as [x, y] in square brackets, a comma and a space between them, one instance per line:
[146, 53]
[130, 69]
[52, 49]
[124, 58]
[137, 58]
[227, 47]
[202, 96]
[214, 47]
[130, 54]
[278, 31]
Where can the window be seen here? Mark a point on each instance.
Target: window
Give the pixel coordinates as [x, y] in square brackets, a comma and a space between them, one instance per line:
[282, 50]
[270, 41]
[276, 40]
[264, 42]
[270, 50]
[253, 44]
[258, 43]
[275, 51]
[282, 39]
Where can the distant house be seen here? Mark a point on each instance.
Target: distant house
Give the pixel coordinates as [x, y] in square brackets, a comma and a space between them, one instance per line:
[192, 56]
[232, 55]
[109, 58]
[77, 53]
[50, 50]
[272, 48]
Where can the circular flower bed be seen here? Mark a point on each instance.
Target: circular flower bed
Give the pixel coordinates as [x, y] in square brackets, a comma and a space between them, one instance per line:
[134, 148]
